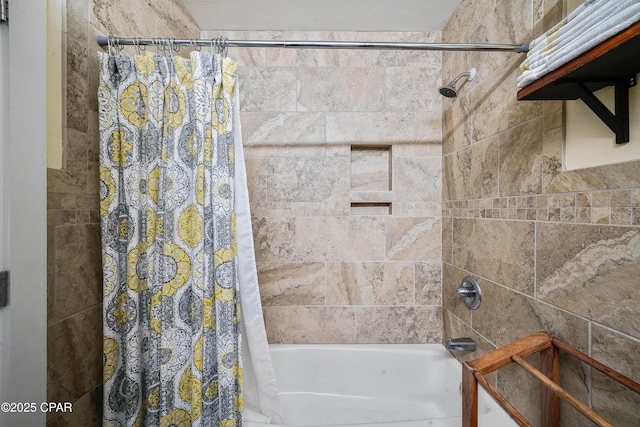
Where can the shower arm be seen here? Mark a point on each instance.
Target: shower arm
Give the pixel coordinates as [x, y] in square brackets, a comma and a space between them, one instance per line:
[307, 44]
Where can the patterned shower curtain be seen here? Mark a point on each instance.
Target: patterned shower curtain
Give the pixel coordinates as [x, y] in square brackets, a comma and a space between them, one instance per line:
[171, 298]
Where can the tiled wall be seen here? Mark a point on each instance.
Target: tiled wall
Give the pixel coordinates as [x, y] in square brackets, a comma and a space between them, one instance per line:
[552, 250]
[74, 335]
[343, 156]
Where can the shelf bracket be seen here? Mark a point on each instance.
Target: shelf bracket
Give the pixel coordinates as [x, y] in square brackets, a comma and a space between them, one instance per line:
[618, 122]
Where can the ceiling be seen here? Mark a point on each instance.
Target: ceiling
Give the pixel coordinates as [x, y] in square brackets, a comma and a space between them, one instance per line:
[324, 15]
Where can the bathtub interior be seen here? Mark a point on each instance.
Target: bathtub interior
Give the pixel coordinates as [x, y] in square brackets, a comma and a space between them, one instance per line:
[382, 385]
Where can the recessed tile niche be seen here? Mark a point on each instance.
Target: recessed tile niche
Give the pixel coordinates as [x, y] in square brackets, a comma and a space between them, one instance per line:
[371, 181]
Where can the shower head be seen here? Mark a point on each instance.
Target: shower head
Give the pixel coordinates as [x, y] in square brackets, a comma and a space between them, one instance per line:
[449, 90]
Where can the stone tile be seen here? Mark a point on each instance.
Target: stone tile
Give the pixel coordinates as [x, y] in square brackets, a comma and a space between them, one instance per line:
[124, 17]
[428, 283]
[267, 89]
[601, 215]
[284, 134]
[370, 283]
[339, 89]
[389, 325]
[74, 355]
[502, 251]
[375, 128]
[411, 89]
[77, 21]
[292, 283]
[78, 274]
[307, 179]
[447, 240]
[410, 239]
[274, 239]
[521, 159]
[590, 270]
[370, 168]
[77, 90]
[87, 411]
[417, 179]
[310, 325]
[175, 18]
[472, 172]
[340, 239]
[506, 316]
[611, 400]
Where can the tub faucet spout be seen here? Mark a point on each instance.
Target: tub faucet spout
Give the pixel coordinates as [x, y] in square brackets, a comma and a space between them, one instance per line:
[461, 344]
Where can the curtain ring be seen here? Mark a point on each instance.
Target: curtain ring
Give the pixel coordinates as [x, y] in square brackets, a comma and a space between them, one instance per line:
[169, 46]
[110, 45]
[225, 46]
[136, 45]
[176, 47]
[194, 45]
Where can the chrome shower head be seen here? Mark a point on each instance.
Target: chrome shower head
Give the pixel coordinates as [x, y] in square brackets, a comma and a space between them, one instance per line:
[449, 90]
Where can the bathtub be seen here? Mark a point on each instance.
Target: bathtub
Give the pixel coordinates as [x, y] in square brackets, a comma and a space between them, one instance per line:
[378, 385]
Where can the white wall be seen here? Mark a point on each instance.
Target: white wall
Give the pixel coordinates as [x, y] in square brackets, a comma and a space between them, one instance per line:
[24, 366]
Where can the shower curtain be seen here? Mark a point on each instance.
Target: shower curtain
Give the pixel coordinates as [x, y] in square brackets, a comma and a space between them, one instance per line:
[178, 260]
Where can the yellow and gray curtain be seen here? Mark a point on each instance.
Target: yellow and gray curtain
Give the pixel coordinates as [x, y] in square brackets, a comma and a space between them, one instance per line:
[169, 140]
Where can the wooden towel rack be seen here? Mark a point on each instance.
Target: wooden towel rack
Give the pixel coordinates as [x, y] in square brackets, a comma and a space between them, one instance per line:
[474, 371]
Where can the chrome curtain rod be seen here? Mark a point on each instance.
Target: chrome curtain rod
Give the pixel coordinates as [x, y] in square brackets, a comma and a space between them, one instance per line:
[305, 44]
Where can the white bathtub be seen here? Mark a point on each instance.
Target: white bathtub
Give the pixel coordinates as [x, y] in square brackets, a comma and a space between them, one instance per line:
[381, 385]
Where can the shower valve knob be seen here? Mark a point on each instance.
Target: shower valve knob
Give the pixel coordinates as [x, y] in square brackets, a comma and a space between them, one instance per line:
[470, 291]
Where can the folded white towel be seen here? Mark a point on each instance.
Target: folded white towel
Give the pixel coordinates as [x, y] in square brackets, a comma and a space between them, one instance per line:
[590, 19]
[604, 24]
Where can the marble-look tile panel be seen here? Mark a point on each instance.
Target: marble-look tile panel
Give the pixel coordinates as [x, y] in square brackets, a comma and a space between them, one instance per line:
[78, 277]
[340, 89]
[472, 173]
[428, 130]
[428, 283]
[370, 168]
[521, 159]
[274, 238]
[493, 105]
[284, 134]
[375, 128]
[454, 327]
[447, 239]
[307, 179]
[411, 89]
[410, 239]
[359, 238]
[616, 350]
[267, 89]
[291, 283]
[310, 325]
[126, 17]
[74, 355]
[502, 251]
[455, 129]
[77, 24]
[613, 401]
[592, 271]
[77, 90]
[87, 411]
[506, 316]
[417, 179]
[175, 16]
[393, 325]
[370, 283]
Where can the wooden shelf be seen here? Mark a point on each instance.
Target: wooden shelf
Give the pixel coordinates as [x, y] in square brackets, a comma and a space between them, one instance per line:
[616, 59]
[614, 62]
